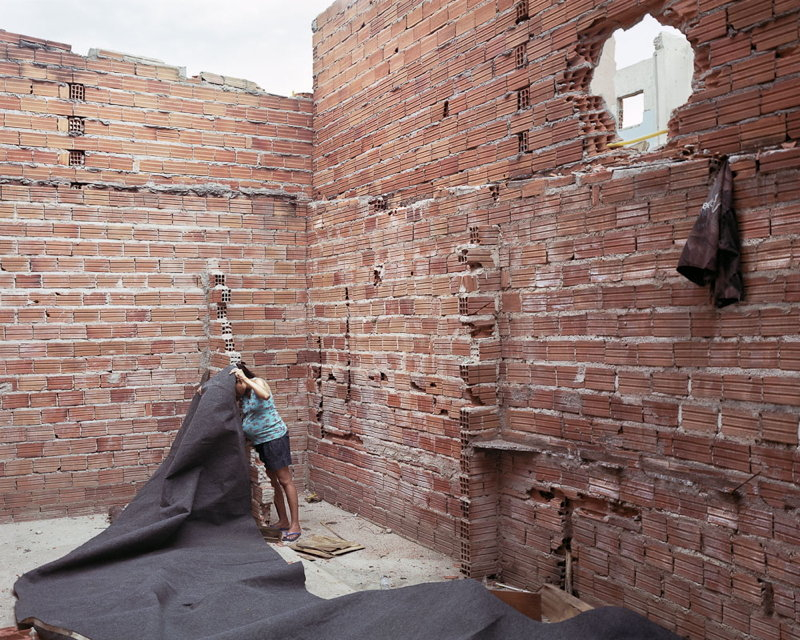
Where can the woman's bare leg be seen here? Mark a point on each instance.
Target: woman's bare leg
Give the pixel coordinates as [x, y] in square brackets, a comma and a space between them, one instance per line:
[279, 501]
[286, 481]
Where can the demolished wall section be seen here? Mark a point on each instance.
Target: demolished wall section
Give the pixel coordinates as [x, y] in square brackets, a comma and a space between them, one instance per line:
[124, 187]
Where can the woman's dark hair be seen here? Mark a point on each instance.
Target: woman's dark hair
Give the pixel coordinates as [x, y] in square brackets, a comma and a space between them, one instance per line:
[245, 370]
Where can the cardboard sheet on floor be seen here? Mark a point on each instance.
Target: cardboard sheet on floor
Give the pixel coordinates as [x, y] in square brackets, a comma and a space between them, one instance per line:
[186, 561]
[325, 546]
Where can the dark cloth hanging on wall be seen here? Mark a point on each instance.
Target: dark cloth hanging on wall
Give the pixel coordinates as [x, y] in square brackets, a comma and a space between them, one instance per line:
[186, 561]
[711, 253]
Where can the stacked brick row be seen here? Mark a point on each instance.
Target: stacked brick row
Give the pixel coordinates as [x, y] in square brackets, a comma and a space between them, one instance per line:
[648, 449]
[479, 301]
[124, 185]
[387, 380]
[127, 121]
[408, 358]
[441, 93]
[648, 413]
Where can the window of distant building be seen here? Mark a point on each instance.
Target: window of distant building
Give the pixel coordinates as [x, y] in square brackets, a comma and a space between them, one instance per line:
[630, 110]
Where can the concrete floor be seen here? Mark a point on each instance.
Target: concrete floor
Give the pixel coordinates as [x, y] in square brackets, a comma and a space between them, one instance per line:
[26, 545]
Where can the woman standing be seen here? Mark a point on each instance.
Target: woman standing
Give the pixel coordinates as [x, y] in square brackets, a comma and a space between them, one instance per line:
[267, 431]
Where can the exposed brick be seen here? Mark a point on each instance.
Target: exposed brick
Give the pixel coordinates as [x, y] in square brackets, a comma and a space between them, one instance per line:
[423, 287]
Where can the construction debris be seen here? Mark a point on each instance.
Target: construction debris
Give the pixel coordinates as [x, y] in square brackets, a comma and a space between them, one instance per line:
[325, 546]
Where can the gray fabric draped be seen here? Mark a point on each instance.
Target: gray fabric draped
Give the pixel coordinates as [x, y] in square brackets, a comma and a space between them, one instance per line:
[186, 561]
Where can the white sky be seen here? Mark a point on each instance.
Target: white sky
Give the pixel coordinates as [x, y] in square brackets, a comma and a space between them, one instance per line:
[266, 41]
[636, 43]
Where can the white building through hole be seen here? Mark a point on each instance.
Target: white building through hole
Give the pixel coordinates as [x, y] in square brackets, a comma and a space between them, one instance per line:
[644, 73]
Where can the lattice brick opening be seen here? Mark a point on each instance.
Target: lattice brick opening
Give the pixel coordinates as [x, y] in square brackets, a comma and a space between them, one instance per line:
[76, 125]
[523, 98]
[521, 10]
[519, 55]
[522, 141]
[77, 91]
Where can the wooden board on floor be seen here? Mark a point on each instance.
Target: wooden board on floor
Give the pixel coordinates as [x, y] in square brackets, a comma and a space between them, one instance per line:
[525, 602]
[558, 605]
[324, 546]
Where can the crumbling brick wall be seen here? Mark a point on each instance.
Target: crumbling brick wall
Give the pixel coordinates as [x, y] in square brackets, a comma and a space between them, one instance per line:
[510, 368]
[501, 360]
[127, 191]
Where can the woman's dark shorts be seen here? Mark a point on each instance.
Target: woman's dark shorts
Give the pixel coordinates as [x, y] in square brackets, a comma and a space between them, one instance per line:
[275, 454]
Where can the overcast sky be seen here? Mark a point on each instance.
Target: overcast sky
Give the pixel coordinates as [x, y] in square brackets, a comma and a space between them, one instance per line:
[266, 41]
[636, 43]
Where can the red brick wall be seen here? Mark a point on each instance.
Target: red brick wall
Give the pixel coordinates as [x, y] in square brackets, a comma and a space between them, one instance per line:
[510, 368]
[108, 304]
[500, 358]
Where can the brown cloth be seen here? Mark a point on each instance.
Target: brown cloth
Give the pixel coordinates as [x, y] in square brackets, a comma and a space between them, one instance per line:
[711, 253]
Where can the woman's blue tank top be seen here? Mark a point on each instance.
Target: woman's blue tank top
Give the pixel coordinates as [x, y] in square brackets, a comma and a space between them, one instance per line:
[261, 422]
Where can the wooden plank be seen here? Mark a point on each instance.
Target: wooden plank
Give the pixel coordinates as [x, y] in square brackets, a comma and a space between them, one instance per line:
[325, 546]
[525, 602]
[354, 547]
[311, 552]
[558, 605]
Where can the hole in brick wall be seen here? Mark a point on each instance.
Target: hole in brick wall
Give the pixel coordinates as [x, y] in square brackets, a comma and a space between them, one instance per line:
[222, 311]
[226, 295]
[644, 73]
[519, 55]
[77, 158]
[522, 141]
[521, 10]
[379, 204]
[495, 191]
[523, 98]
[219, 279]
[377, 274]
[77, 185]
[77, 91]
[76, 126]
[446, 109]
[474, 232]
